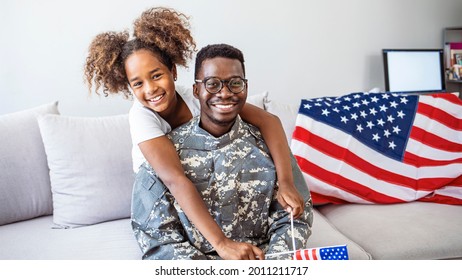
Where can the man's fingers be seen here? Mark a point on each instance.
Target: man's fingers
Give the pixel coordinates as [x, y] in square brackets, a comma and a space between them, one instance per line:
[259, 253]
[251, 255]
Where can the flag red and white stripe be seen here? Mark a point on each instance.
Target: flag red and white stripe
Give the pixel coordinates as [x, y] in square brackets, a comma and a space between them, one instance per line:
[339, 167]
[307, 254]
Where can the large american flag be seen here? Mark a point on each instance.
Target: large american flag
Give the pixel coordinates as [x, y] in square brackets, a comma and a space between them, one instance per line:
[323, 253]
[381, 148]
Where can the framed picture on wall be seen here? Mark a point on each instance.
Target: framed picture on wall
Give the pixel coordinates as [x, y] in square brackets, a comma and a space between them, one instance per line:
[458, 58]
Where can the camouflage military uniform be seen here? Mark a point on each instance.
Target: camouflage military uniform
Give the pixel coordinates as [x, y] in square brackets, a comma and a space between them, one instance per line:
[236, 178]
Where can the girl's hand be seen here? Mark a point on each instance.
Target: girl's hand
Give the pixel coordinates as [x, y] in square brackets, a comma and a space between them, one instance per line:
[289, 198]
[231, 250]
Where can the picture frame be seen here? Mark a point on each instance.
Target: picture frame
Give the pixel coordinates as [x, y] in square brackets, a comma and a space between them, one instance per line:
[458, 58]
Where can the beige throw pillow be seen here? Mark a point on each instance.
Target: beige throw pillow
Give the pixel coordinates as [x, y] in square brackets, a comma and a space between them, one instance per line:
[90, 168]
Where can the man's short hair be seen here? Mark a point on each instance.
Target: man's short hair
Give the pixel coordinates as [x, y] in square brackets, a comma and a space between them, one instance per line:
[218, 50]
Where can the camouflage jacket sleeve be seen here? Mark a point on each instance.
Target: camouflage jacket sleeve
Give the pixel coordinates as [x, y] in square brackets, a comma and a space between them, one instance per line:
[155, 221]
[280, 232]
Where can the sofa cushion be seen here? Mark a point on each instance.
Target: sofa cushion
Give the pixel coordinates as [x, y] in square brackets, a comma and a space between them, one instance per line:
[415, 230]
[111, 240]
[324, 234]
[258, 99]
[287, 113]
[24, 178]
[90, 168]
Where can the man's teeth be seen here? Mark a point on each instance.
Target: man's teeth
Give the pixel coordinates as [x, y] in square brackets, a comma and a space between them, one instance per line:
[224, 106]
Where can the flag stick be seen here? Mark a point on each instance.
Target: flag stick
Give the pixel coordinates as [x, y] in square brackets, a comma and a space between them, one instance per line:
[292, 228]
[281, 253]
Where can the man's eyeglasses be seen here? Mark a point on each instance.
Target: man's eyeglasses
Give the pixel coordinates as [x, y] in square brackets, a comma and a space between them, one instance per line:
[214, 85]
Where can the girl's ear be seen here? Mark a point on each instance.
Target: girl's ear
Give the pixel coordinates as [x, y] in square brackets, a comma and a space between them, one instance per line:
[174, 74]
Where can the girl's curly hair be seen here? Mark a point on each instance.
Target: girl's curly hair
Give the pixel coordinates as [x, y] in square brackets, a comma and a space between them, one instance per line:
[163, 31]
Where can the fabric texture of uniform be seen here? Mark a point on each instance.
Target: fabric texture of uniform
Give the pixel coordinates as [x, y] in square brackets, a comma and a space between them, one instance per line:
[236, 178]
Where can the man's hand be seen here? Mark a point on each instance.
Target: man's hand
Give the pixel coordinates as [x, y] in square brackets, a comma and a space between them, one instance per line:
[290, 199]
[231, 250]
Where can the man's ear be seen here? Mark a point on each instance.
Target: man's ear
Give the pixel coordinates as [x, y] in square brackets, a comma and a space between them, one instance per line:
[195, 91]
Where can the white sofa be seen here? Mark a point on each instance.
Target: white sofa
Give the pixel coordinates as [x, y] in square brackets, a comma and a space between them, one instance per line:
[65, 191]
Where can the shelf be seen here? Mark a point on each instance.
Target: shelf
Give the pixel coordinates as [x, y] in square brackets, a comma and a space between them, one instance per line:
[452, 40]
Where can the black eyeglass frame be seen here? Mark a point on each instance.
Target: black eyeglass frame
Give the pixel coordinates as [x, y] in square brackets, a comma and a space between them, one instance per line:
[222, 83]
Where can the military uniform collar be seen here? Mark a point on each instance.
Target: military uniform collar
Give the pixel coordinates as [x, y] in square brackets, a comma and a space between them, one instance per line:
[203, 140]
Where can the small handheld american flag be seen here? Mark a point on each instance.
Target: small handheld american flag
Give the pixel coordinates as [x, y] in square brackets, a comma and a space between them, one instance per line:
[323, 253]
[329, 253]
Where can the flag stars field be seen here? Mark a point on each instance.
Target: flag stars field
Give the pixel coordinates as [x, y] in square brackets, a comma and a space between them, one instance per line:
[380, 107]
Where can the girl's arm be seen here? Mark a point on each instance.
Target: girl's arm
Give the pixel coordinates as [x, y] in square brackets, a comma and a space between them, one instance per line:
[163, 158]
[271, 129]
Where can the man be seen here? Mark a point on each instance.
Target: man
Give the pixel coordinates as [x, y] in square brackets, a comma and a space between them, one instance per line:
[229, 162]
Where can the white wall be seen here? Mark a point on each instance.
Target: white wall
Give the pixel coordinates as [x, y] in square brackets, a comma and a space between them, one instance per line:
[293, 49]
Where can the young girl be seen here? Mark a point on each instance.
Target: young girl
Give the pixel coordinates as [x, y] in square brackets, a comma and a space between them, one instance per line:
[146, 65]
